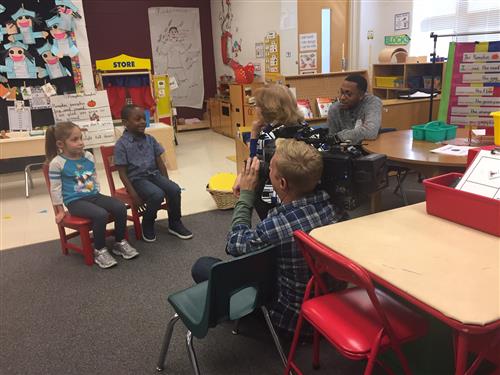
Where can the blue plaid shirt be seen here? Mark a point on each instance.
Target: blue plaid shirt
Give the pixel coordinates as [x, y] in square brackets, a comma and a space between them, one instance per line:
[277, 228]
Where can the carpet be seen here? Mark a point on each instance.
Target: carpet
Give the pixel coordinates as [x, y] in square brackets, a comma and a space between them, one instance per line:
[61, 317]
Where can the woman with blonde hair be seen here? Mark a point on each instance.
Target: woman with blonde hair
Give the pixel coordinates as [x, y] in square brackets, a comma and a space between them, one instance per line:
[277, 117]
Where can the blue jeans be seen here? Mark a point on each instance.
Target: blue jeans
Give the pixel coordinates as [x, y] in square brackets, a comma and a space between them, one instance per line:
[153, 190]
[200, 271]
[97, 208]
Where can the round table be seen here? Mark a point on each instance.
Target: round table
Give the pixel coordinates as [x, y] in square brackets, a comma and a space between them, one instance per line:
[400, 147]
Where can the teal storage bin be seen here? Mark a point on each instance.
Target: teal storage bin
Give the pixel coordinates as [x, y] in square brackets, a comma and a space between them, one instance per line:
[434, 131]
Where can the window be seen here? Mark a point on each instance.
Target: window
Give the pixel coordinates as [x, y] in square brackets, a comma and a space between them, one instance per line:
[452, 17]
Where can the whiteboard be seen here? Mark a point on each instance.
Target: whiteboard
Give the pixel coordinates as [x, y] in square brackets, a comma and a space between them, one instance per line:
[176, 46]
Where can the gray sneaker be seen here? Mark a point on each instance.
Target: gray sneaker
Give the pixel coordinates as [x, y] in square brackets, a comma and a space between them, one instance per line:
[103, 258]
[124, 249]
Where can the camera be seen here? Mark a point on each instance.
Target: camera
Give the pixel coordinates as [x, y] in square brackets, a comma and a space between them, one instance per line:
[348, 172]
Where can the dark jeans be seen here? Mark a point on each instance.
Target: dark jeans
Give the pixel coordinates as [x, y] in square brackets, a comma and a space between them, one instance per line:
[201, 268]
[153, 190]
[98, 208]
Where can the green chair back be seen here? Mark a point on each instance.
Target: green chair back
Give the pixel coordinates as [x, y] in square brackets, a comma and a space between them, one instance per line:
[234, 289]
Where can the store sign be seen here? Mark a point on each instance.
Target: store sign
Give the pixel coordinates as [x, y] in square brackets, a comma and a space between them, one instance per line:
[397, 40]
[123, 62]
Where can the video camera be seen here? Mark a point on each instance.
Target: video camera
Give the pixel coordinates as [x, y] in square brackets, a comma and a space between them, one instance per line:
[348, 172]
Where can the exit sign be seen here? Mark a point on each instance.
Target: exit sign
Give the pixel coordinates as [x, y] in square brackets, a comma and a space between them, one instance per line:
[396, 40]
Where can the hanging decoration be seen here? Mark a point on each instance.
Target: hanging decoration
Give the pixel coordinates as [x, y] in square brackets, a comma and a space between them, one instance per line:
[231, 48]
[53, 67]
[24, 21]
[19, 63]
[63, 43]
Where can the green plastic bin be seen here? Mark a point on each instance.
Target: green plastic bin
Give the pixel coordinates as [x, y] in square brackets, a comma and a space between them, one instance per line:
[434, 131]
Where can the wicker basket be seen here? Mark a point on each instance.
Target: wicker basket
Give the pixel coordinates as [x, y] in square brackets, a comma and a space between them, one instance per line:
[224, 200]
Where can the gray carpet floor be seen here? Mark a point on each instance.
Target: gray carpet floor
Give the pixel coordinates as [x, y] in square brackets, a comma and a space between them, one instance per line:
[60, 317]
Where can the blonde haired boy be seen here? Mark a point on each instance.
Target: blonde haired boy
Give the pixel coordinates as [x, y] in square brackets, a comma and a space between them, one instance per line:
[295, 171]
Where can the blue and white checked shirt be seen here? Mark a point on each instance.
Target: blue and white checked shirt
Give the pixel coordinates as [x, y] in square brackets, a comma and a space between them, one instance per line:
[277, 228]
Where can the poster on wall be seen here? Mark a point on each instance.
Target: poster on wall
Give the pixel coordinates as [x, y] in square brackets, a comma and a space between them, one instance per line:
[308, 42]
[272, 53]
[90, 112]
[472, 84]
[308, 61]
[176, 46]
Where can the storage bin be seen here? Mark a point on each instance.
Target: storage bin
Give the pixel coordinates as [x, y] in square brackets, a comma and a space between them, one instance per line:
[461, 207]
[391, 81]
[220, 188]
[434, 131]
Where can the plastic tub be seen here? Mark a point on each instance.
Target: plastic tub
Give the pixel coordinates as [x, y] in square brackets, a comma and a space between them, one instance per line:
[434, 131]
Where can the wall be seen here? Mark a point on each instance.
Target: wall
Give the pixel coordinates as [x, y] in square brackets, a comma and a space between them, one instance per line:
[251, 21]
[116, 26]
[379, 17]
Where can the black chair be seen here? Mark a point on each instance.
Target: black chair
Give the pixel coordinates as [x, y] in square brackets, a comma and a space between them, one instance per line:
[401, 172]
[235, 288]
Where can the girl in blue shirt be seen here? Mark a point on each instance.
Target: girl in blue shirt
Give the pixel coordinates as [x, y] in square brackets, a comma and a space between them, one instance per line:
[73, 182]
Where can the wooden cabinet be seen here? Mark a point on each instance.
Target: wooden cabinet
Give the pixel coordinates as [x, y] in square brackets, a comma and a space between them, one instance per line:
[242, 114]
[214, 109]
[225, 119]
[411, 76]
[403, 114]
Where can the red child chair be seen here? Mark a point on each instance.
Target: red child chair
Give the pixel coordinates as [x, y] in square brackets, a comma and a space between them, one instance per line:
[359, 322]
[121, 193]
[82, 227]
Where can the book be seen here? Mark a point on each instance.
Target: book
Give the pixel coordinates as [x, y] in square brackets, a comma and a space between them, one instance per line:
[324, 105]
[305, 108]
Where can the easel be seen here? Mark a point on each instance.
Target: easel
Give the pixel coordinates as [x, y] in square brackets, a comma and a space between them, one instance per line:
[434, 55]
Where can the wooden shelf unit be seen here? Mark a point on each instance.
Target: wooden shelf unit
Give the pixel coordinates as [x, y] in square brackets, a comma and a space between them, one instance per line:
[320, 86]
[242, 113]
[405, 70]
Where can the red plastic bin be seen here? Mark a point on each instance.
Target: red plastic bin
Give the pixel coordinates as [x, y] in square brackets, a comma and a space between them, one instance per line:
[465, 208]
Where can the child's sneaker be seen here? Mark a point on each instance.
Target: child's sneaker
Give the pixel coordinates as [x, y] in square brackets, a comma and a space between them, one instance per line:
[148, 234]
[178, 229]
[103, 258]
[124, 249]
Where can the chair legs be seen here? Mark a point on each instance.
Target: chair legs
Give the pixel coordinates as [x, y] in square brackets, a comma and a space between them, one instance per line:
[137, 224]
[274, 335]
[87, 249]
[191, 352]
[400, 177]
[236, 327]
[166, 342]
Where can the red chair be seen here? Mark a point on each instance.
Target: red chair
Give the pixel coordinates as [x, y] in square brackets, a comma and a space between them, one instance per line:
[80, 225]
[360, 322]
[121, 193]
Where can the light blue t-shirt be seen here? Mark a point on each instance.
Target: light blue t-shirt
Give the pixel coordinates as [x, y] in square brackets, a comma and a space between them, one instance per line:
[72, 179]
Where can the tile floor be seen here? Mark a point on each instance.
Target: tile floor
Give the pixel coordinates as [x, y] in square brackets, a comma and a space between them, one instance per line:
[200, 154]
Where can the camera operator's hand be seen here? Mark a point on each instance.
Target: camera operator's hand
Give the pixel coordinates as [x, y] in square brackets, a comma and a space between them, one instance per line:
[236, 186]
[256, 128]
[250, 175]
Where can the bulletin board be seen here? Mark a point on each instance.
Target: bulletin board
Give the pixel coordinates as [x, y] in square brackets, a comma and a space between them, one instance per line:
[471, 87]
[44, 32]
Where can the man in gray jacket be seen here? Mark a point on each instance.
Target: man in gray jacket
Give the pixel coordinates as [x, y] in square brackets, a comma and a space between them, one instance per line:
[357, 116]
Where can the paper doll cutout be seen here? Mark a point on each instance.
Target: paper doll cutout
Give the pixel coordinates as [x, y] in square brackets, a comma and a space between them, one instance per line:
[63, 44]
[2, 8]
[10, 29]
[68, 12]
[53, 67]
[18, 62]
[24, 21]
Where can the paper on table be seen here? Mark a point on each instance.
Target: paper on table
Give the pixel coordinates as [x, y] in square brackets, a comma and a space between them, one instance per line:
[483, 175]
[453, 150]
[417, 95]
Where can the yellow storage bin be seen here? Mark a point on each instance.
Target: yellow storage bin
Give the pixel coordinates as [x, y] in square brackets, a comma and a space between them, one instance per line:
[391, 81]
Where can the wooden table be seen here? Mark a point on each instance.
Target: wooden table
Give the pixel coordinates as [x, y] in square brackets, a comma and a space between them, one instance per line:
[400, 147]
[446, 269]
